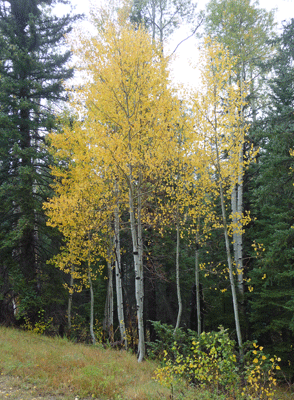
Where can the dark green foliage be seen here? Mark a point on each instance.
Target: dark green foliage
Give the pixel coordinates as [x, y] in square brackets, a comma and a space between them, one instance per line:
[166, 338]
[272, 302]
[32, 68]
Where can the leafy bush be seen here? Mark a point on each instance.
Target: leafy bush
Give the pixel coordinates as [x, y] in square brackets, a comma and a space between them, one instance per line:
[41, 326]
[210, 361]
[259, 373]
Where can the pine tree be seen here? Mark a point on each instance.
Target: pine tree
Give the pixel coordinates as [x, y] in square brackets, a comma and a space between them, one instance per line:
[32, 69]
[272, 202]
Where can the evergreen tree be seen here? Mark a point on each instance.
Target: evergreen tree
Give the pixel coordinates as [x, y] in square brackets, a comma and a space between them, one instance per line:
[32, 68]
[273, 203]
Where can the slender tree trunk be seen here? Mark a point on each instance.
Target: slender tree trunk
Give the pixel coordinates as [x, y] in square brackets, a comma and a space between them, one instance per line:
[153, 21]
[140, 279]
[108, 310]
[118, 272]
[161, 26]
[237, 210]
[239, 236]
[69, 305]
[228, 251]
[197, 283]
[178, 278]
[235, 219]
[230, 265]
[137, 241]
[91, 308]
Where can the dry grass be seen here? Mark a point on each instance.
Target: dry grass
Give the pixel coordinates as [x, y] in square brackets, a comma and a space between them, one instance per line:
[61, 367]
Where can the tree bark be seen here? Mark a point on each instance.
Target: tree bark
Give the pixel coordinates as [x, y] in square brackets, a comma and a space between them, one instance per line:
[230, 265]
[118, 272]
[91, 308]
[228, 251]
[197, 283]
[137, 242]
[178, 279]
[237, 208]
[69, 306]
[108, 311]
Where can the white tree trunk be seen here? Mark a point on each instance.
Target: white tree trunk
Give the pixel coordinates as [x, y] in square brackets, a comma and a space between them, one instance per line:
[178, 279]
[239, 237]
[153, 21]
[237, 211]
[137, 242]
[91, 308]
[197, 283]
[228, 252]
[230, 265]
[118, 272]
[108, 310]
[69, 305]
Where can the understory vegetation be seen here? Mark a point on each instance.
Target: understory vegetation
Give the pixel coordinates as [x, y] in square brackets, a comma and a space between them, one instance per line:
[179, 365]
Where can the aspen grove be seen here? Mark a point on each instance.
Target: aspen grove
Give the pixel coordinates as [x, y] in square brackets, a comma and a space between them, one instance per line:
[132, 138]
[145, 215]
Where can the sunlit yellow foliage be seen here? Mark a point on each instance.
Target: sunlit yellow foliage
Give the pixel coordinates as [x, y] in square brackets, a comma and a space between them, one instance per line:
[259, 374]
[217, 108]
[42, 325]
[124, 134]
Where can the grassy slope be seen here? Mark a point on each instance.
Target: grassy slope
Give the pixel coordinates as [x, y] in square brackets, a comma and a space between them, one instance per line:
[60, 367]
[54, 367]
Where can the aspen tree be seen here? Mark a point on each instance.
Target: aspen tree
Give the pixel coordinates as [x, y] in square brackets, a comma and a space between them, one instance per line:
[128, 110]
[183, 193]
[79, 209]
[246, 30]
[163, 17]
[217, 117]
[118, 269]
[197, 285]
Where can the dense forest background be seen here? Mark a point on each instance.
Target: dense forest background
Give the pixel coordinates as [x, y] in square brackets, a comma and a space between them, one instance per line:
[70, 267]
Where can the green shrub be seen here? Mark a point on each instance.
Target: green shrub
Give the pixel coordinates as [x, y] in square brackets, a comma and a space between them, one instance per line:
[210, 361]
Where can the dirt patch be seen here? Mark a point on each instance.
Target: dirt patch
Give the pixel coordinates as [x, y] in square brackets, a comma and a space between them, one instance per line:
[15, 388]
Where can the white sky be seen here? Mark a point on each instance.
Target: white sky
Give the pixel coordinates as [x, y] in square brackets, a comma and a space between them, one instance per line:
[187, 52]
[285, 8]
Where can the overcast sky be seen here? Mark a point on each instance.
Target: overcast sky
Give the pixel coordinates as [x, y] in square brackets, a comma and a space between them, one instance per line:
[285, 8]
[187, 52]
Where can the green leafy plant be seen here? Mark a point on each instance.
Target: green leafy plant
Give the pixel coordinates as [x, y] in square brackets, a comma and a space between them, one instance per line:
[259, 373]
[42, 325]
[209, 361]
